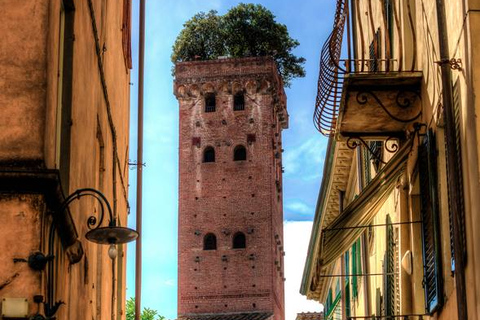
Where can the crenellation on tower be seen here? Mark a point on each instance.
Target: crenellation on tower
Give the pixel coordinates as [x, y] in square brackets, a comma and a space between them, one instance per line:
[232, 112]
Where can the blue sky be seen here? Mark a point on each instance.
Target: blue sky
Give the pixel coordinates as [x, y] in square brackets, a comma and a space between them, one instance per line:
[307, 21]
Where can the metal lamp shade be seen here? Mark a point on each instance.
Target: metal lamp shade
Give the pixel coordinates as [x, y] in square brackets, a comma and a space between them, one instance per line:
[111, 235]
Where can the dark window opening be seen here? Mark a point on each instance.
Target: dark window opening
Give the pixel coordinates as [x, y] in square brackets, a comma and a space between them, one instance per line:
[209, 154]
[127, 33]
[210, 102]
[377, 157]
[239, 241]
[240, 153]
[65, 77]
[210, 242]
[238, 102]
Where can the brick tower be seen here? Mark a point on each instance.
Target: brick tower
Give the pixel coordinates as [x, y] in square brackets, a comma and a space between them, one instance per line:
[230, 249]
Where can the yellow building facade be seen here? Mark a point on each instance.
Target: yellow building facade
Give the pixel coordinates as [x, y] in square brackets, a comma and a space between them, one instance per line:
[64, 119]
[394, 234]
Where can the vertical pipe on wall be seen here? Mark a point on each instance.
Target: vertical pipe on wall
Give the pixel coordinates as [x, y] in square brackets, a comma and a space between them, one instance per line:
[138, 251]
[452, 160]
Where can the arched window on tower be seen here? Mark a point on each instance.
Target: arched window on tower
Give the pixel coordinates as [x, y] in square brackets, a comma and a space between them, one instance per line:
[238, 101]
[209, 154]
[240, 153]
[210, 242]
[239, 241]
[210, 102]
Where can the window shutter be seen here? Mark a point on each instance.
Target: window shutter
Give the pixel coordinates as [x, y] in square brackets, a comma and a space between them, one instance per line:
[346, 290]
[356, 267]
[459, 172]
[367, 175]
[390, 269]
[432, 275]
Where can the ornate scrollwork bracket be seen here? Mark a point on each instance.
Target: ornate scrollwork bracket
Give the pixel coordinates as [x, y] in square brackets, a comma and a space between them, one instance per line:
[92, 221]
[455, 64]
[354, 142]
[403, 99]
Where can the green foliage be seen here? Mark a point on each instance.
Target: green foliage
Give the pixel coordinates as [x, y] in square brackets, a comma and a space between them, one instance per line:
[147, 313]
[245, 30]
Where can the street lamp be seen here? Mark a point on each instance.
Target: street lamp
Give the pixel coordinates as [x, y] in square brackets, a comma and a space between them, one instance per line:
[111, 234]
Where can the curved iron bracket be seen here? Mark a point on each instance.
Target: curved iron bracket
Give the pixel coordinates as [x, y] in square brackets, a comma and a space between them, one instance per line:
[404, 99]
[354, 142]
[92, 221]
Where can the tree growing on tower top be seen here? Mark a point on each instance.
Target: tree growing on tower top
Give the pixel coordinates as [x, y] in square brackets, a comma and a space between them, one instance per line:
[246, 30]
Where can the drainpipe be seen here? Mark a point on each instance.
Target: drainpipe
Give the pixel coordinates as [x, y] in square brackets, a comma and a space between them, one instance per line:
[138, 251]
[452, 161]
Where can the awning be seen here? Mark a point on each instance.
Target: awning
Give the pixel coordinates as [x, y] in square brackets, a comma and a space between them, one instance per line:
[339, 236]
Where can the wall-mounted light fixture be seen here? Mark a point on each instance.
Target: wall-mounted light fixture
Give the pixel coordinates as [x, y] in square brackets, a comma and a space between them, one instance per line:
[112, 234]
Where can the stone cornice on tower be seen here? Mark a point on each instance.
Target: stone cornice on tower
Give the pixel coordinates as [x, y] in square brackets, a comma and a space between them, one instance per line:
[227, 76]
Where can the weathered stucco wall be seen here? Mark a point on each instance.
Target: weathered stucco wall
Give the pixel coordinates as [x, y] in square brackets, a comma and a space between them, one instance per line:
[23, 54]
[20, 226]
[99, 123]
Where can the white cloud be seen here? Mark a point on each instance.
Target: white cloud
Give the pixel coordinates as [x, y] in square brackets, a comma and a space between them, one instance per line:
[297, 237]
[305, 158]
[169, 282]
[299, 207]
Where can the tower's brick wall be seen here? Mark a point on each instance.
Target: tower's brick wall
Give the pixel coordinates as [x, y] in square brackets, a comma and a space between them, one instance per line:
[226, 196]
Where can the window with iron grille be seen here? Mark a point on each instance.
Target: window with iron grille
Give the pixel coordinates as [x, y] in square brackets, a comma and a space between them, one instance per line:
[432, 274]
[209, 154]
[210, 102]
[459, 173]
[210, 242]
[238, 101]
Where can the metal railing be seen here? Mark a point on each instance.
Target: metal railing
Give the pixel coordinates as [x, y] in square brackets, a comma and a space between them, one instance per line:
[376, 43]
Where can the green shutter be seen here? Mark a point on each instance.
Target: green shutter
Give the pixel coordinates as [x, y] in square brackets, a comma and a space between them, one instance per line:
[356, 267]
[432, 274]
[347, 283]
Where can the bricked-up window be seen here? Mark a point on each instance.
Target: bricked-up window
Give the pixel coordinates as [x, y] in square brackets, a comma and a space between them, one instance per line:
[238, 101]
[210, 102]
[210, 242]
[209, 154]
[240, 153]
[239, 241]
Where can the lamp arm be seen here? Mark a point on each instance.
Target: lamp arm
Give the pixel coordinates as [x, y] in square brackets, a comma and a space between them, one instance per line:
[92, 220]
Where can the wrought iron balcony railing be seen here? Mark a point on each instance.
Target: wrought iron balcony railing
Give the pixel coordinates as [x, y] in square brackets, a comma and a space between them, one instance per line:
[380, 39]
